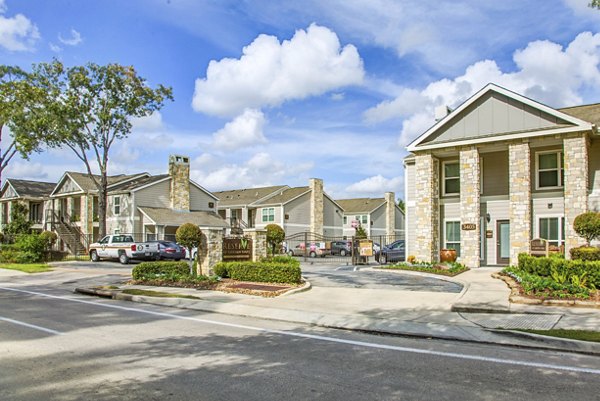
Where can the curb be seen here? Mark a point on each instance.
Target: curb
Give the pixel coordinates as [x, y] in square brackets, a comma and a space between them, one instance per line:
[307, 286]
[538, 341]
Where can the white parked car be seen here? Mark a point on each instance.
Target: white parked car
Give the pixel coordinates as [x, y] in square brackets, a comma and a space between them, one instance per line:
[124, 248]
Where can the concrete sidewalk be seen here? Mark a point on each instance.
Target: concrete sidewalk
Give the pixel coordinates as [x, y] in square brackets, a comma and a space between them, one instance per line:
[480, 313]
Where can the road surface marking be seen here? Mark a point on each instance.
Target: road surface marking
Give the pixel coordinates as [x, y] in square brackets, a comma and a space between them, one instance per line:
[322, 338]
[31, 326]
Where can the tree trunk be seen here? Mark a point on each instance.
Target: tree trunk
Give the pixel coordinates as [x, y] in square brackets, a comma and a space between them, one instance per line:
[102, 204]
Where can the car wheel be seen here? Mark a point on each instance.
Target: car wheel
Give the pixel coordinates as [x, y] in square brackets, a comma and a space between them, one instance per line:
[383, 259]
[94, 256]
[343, 252]
[123, 258]
[313, 254]
[177, 260]
[290, 253]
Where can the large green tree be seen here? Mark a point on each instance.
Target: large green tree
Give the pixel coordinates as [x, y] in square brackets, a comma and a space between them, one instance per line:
[595, 3]
[90, 107]
[20, 111]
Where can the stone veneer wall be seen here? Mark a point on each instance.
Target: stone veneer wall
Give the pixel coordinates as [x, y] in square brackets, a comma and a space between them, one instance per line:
[179, 170]
[210, 251]
[575, 186]
[427, 210]
[316, 206]
[470, 206]
[259, 243]
[390, 213]
[519, 174]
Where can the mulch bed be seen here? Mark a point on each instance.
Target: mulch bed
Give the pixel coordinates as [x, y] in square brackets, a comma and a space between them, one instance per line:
[518, 295]
[268, 290]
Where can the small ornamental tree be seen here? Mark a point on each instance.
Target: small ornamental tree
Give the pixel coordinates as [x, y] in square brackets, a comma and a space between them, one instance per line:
[360, 232]
[19, 221]
[587, 226]
[275, 236]
[189, 236]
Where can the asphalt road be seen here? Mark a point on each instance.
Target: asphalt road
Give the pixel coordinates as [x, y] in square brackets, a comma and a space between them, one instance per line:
[340, 275]
[56, 345]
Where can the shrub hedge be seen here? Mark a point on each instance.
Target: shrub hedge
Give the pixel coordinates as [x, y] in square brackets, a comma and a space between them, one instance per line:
[156, 270]
[585, 253]
[546, 267]
[269, 272]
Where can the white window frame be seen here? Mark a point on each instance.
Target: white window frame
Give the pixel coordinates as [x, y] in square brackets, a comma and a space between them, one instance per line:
[452, 242]
[268, 214]
[561, 225]
[559, 169]
[453, 178]
[117, 205]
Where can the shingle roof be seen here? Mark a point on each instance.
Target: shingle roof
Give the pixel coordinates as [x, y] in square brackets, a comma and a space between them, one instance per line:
[168, 217]
[586, 112]
[137, 183]
[360, 205]
[284, 196]
[87, 184]
[245, 196]
[32, 189]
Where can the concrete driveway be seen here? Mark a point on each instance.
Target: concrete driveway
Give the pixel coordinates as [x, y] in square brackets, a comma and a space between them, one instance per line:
[327, 275]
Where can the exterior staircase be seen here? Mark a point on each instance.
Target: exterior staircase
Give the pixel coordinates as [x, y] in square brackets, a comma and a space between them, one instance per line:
[75, 241]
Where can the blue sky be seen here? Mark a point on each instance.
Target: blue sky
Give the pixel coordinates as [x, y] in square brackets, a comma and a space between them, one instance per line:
[273, 93]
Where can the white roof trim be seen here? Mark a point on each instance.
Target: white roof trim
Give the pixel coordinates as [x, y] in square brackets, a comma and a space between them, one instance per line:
[145, 214]
[7, 182]
[500, 138]
[580, 124]
[58, 184]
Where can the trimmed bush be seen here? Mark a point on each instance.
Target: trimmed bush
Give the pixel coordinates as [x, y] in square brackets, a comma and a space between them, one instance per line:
[284, 259]
[585, 253]
[220, 269]
[546, 267]
[156, 270]
[264, 272]
[587, 225]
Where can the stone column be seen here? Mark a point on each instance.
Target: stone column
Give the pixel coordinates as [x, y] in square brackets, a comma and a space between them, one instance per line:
[576, 186]
[259, 243]
[390, 214]
[210, 251]
[470, 206]
[519, 175]
[427, 210]
[316, 206]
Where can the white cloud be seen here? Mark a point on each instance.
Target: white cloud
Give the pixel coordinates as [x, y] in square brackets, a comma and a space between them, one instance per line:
[74, 40]
[245, 130]
[151, 123]
[271, 72]
[17, 33]
[337, 96]
[546, 72]
[377, 185]
[26, 170]
[55, 48]
[260, 170]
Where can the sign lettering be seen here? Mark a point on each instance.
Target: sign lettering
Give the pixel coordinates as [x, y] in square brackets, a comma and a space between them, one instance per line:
[237, 249]
[469, 226]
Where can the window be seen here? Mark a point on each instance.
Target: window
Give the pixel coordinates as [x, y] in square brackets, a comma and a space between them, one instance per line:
[345, 220]
[451, 178]
[452, 236]
[362, 219]
[268, 214]
[550, 169]
[552, 229]
[35, 214]
[117, 205]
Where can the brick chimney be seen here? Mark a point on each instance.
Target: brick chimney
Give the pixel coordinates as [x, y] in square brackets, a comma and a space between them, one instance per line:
[390, 213]
[316, 205]
[179, 170]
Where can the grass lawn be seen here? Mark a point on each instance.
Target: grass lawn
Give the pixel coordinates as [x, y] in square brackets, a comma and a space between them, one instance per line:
[27, 267]
[582, 335]
[150, 293]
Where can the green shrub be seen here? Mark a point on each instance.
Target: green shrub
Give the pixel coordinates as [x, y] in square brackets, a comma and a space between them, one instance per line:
[587, 225]
[546, 267]
[49, 239]
[269, 272]
[9, 254]
[585, 253]
[155, 270]
[534, 284]
[284, 259]
[275, 236]
[33, 245]
[220, 269]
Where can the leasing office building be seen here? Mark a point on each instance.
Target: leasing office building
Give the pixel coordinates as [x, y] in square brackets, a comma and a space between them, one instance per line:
[497, 172]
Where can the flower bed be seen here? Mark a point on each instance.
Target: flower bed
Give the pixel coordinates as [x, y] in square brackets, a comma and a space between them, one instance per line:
[445, 269]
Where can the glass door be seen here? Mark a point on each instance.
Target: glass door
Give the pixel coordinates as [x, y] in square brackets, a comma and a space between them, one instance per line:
[502, 242]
